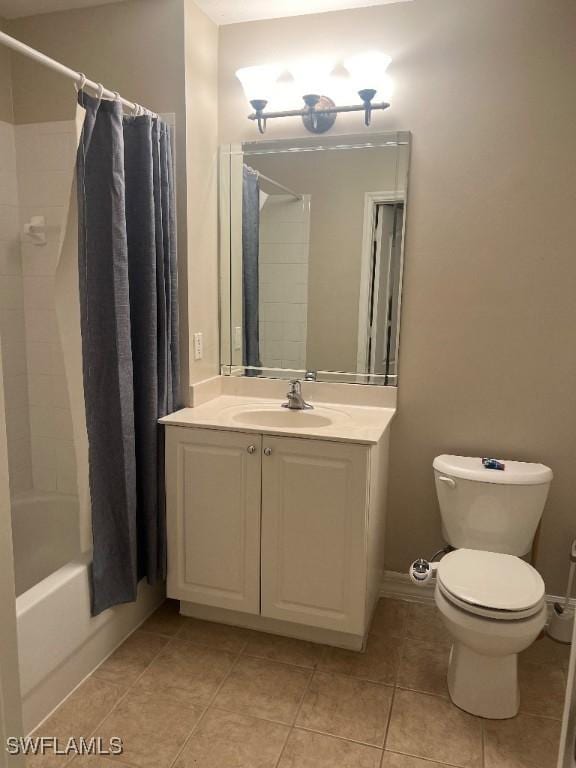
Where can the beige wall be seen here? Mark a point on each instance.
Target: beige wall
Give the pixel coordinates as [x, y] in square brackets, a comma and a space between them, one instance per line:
[201, 37]
[159, 55]
[488, 337]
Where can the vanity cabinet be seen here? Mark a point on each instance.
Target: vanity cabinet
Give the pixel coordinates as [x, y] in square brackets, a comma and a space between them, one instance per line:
[314, 513]
[289, 530]
[213, 490]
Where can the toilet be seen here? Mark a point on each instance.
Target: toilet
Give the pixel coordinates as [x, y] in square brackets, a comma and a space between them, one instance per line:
[491, 601]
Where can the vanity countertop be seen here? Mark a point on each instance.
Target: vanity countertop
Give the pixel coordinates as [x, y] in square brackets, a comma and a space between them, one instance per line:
[327, 421]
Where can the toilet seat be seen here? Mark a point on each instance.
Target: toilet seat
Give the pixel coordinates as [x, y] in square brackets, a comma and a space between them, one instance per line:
[490, 584]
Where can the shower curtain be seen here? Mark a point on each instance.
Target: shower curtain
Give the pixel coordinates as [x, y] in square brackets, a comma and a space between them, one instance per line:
[250, 277]
[129, 324]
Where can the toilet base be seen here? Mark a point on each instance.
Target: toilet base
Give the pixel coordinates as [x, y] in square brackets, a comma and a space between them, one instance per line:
[486, 686]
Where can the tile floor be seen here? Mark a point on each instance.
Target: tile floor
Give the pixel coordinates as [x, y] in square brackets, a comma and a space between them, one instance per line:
[183, 693]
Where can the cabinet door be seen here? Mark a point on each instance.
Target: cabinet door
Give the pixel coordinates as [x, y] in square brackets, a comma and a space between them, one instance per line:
[213, 514]
[314, 512]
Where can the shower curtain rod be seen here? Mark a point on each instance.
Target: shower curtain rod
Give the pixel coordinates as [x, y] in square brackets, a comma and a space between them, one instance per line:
[80, 79]
[280, 186]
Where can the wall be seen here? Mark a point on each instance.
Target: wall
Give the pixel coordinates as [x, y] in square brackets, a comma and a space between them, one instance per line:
[201, 72]
[488, 336]
[159, 55]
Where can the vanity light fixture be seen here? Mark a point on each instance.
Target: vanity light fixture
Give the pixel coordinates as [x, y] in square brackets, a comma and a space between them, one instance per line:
[312, 78]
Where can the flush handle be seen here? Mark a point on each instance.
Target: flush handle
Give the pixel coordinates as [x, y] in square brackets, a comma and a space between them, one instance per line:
[447, 481]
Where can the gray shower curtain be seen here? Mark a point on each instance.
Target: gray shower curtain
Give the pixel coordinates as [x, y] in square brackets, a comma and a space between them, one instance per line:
[129, 324]
[250, 266]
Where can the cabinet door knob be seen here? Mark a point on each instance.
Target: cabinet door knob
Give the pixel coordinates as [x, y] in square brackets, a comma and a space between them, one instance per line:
[267, 451]
[251, 449]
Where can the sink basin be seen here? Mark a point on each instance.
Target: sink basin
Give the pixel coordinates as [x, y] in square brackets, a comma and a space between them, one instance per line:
[283, 418]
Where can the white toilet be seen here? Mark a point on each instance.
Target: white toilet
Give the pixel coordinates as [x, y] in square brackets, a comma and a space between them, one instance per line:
[491, 601]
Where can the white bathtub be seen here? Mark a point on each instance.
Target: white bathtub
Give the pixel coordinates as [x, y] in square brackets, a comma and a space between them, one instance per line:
[58, 641]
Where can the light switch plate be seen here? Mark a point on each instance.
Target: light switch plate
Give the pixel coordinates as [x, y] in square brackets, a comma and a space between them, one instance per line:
[238, 337]
[198, 346]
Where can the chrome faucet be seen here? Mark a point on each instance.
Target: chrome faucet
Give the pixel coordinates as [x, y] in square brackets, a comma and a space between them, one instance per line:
[295, 400]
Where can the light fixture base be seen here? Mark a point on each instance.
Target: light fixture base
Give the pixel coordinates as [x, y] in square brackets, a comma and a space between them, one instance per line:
[317, 121]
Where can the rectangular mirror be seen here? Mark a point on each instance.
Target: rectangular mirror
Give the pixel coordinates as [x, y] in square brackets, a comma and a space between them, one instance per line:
[312, 243]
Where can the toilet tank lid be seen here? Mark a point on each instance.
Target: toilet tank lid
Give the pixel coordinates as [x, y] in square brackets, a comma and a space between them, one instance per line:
[515, 472]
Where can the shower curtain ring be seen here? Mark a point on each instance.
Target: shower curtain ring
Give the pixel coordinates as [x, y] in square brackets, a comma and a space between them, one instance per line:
[80, 85]
[100, 91]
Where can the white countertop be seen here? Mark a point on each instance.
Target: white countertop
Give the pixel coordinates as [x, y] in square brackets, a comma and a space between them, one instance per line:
[327, 421]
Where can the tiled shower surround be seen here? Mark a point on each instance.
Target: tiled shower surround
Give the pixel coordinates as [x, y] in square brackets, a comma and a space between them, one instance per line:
[36, 166]
[284, 246]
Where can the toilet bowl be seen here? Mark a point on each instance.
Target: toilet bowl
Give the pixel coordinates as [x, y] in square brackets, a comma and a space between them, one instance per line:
[493, 607]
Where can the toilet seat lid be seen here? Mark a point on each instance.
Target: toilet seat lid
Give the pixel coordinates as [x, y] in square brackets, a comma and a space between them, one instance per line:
[491, 580]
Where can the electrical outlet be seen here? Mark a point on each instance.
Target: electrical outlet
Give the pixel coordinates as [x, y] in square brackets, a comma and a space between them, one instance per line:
[238, 337]
[198, 346]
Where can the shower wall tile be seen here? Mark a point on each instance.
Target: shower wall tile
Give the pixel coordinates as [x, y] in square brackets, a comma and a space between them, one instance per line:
[12, 327]
[45, 163]
[10, 259]
[283, 273]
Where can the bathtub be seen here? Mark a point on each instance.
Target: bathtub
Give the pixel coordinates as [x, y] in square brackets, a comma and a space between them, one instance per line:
[59, 643]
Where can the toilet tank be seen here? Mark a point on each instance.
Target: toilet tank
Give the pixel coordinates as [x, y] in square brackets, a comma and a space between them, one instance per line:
[490, 509]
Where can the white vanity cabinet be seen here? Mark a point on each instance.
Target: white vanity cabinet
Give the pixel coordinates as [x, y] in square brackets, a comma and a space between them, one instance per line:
[283, 533]
[213, 489]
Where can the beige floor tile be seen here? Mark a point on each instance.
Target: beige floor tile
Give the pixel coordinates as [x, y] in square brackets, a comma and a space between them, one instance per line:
[345, 707]
[547, 651]
[283, 649]
[227, 739]
[394, 760]
[523, 742]
[315, 750]
[263, 689]
[166, 620]
[152, 732]
[389, 618]
[78, 716]
[424, 622]
[424, 666]
[187, 673]
[542, 689]
[379, 662]
[131, 659]
[432, 727]
[220, 636]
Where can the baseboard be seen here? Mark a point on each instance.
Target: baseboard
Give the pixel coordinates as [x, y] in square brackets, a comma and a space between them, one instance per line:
[401, 587]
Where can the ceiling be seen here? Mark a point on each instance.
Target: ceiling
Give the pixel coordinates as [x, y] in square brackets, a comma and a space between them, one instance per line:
[234, 11]
[12, 9]
[221, 11]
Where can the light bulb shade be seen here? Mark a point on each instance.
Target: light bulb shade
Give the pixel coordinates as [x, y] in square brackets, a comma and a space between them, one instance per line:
[368, 70]
[312, 75]
[258, 82]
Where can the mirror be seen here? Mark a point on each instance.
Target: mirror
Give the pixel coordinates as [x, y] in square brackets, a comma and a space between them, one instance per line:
[312, 241]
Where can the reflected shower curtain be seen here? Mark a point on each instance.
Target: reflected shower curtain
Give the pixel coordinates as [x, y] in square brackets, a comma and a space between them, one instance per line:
[250, 267]
[129, 324]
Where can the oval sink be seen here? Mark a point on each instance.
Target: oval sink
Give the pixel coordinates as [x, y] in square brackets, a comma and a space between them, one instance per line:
[283, 419]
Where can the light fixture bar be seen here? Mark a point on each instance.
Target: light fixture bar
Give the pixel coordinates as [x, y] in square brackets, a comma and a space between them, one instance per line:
[261, 116]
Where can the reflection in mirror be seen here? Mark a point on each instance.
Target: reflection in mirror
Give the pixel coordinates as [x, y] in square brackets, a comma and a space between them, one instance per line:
[312, 252]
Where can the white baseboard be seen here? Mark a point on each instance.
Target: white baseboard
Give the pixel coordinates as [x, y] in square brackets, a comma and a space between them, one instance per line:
[401, 587]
